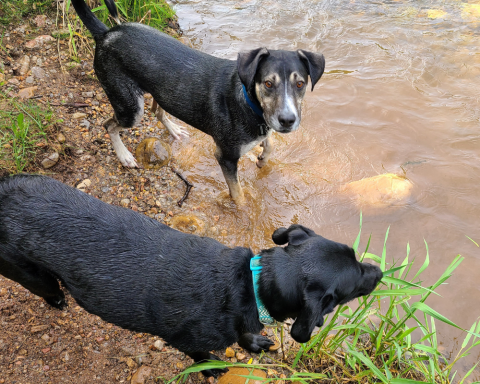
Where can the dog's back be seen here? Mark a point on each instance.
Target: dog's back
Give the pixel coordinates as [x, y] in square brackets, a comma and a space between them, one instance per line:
[118, 264]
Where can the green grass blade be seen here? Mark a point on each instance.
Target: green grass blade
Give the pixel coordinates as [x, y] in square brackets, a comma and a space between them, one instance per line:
[425, 264]
[384, 251]
[357, 240]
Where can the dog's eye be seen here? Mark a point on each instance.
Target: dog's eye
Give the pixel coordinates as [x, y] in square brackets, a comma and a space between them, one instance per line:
[300, 84]
[268, 84]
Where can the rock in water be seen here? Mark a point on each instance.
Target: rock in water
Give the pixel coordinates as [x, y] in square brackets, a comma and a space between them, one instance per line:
[380, 191]
[190, 224]
[153, 153]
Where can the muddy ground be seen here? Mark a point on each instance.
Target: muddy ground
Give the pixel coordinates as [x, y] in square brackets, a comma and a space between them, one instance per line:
[39, 344]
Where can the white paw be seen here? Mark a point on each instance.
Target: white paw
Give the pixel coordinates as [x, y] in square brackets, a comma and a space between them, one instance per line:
[127, 159]
[177, 132]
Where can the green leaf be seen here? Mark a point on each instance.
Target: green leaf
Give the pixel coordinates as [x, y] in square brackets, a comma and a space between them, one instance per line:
[397, 292]
[425, 264]
[357, 240]
[384, 252]
[371, 256]
[472, 241]
[365, 360]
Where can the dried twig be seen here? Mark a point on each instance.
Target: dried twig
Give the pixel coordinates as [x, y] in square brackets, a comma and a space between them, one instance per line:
[189, 186]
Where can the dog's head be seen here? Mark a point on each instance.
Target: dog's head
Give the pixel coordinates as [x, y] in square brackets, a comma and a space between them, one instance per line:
[329, 275]
[279, 79]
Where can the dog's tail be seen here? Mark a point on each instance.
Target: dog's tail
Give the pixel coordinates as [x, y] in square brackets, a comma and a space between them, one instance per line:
[112, 8]
[95, 26]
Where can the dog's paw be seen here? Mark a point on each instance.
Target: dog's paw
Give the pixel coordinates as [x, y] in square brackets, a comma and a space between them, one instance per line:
[56, 302]
[177, 132]
[255, 343]
[127, 160]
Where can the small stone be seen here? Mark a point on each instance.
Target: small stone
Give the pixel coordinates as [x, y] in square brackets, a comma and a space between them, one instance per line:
[158, 344]
[3, 291]
[13, 81]
[38, 328]
[30, 80]
[39, 62]
[51, 160]
[180, 365]
[131, 363]
[141, 375]
[22, 66]
[61, 138]
[125, 203]
[229, 352]
[87, 94]
[2, 77]
[78, 115]
[40, 20]
[27, 93]
[47, 339]
[46, 368]
[38, 41]
[38, 72]
[84, 184]
[46, 350]
[99, 339]
[240, 356]
[85, 123]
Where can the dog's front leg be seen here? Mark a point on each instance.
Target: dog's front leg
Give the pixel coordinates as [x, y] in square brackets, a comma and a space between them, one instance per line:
[200, 357]
[267, 150]
[229, 168]
[255, 343]
[123, 154]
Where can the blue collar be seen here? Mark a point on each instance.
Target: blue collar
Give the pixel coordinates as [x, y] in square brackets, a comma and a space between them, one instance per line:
[263, 314]
[255, 107]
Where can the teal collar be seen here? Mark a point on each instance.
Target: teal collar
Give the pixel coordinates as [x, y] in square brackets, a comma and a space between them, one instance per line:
[263, 314]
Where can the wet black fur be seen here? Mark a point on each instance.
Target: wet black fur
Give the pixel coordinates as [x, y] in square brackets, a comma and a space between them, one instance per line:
[199, 89]
[192, 291]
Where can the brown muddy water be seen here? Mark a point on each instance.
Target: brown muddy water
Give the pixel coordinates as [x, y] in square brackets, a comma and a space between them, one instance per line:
[400, 94]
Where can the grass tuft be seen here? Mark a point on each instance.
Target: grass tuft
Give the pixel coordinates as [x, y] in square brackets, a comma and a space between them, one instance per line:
[24, 133]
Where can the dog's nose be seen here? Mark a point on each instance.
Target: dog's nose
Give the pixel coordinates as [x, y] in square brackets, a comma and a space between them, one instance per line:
[287, 120]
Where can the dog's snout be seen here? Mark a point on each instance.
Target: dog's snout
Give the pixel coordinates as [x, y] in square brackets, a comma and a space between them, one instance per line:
[286, 120]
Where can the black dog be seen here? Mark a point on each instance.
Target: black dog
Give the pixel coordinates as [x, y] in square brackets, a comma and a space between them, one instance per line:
[194, 292]
[238, 103]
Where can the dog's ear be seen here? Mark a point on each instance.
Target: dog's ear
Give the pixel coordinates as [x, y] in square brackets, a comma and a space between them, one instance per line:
[294, 235]
[311, 315]
[247, 64]
[315, 64]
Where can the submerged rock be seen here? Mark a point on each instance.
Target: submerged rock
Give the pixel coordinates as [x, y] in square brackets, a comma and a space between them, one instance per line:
[153, 153]
[188, 224]
[380, 190]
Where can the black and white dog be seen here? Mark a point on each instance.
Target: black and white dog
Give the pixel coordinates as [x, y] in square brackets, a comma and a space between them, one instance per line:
[194, 292]
[238, 103]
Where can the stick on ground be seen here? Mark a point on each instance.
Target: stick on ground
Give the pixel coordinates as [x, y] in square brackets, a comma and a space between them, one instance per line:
[189, 186]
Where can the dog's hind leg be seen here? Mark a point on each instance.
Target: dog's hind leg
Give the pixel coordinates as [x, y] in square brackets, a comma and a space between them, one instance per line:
[175, 130]
[123, 154]
[267, 150]
[36, 280]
